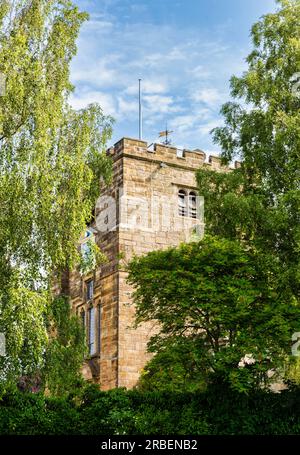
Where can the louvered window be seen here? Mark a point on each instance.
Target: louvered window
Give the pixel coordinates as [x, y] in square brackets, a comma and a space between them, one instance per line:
[192, 205]
[92, 344]
[182, 205]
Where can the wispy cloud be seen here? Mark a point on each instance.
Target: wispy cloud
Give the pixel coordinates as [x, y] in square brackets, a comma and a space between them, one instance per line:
[184, 69]
[208, 96]
[155, 85]
[106, 100]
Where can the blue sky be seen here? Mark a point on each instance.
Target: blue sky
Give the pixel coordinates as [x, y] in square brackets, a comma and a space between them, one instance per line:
[185, 52]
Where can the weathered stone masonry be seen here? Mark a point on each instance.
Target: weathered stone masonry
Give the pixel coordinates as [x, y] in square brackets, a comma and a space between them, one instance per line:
[145, 192]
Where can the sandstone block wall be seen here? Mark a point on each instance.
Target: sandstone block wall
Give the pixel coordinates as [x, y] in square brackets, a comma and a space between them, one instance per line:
[145, 217]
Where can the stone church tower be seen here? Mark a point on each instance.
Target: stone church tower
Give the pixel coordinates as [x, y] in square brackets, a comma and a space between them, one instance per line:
[151, 204]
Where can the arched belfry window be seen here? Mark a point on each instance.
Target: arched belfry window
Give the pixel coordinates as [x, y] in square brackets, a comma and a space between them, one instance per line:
[187, 203]
[192, 204]
[182, 205]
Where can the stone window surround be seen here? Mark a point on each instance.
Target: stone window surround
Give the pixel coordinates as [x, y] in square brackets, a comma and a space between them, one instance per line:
[186, 209]
[82, 311]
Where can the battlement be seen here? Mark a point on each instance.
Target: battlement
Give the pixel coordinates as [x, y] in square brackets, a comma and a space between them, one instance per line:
[166, 154]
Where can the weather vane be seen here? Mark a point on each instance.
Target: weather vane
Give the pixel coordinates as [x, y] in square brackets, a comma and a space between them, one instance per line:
[166, 134]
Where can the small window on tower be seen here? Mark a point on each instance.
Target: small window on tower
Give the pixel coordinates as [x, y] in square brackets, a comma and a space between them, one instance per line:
[92, 344]
[87, 233]
[89, 290]
[182, 206]
[192, 205]
[87, 237]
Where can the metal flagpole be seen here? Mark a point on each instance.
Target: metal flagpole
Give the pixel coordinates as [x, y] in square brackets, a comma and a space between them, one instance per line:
[140, 111]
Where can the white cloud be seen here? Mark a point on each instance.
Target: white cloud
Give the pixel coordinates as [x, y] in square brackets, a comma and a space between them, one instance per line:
[209, 96]
[106, 101]
[199, 72]
[159, 104]
[127, 108]
[182, 123]
[99, 26]
[182, 70]
[149, 86]
[100, 73]
[205, 128]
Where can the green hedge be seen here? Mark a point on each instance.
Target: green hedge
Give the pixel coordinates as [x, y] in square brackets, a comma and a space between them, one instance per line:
[215, 412]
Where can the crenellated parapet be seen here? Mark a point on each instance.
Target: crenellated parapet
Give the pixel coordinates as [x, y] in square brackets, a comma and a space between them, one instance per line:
[166, 154]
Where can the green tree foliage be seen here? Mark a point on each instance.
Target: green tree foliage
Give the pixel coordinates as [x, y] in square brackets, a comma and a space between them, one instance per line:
[51, 159]
[225, 299]
[217, 411]
[259, 203]
[176, 368]
[66, 350]
[266, 135]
